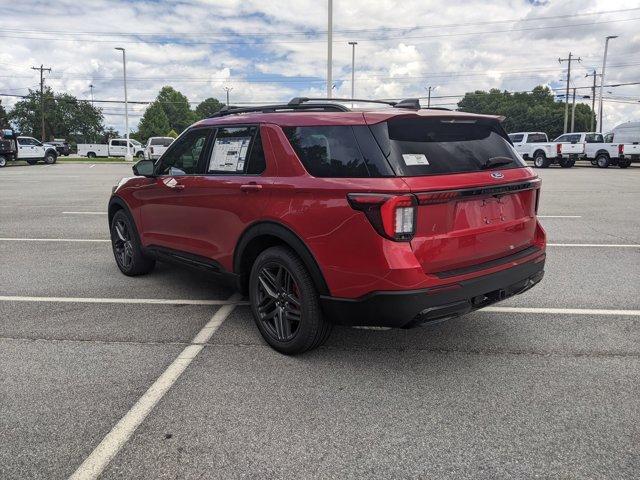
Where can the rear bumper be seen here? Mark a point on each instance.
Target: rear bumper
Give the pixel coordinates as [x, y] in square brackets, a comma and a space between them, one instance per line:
[403, 309]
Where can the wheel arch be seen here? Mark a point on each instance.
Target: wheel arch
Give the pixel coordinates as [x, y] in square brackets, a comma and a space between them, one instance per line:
[537, 151]
[602, 152]
[116, 203]
[258, 237]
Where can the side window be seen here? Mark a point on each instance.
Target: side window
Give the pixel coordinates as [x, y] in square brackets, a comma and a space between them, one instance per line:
[185, 153]
[237, 151]
[609, 137]
[593, 138]
[330, 151]
[516, 138]
[536, 138]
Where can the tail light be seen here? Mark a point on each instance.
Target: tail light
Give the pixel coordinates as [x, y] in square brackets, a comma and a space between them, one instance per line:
[558, 148]
[392, 216]
[620, 149]
[151, 150]
[537, 190]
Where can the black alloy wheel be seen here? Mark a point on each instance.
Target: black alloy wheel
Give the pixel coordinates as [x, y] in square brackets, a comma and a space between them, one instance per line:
[122, 246]
[278, 306]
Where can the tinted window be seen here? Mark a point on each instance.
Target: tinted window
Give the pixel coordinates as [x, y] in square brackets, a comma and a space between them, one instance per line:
[593, 138]
[237, 150]
[426, 146]
[568, 138]
[536, 138]
[118, 143]
[338, 151]
[183, 156]
[165, 142]
[516, 138]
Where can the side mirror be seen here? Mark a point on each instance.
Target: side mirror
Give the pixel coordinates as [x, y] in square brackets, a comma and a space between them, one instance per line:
[143, 168]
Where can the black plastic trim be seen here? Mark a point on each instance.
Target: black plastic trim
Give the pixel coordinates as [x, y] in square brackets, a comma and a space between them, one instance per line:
[490, 264]
[403, 309]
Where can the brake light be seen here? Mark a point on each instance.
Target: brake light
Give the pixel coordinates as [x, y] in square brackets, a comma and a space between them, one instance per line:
[558, 148]
[620, 149]
[392, 216]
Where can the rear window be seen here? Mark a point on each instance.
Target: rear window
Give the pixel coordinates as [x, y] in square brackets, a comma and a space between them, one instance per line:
[432, 146]
[536, 138]
[515, 138]
[165, 142]
[338, 151]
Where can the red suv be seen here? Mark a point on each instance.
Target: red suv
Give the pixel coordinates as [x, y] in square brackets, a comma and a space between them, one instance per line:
[393, 216]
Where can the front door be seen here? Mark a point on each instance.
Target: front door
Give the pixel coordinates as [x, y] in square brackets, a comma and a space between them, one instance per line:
[169, 212]
[29, 148]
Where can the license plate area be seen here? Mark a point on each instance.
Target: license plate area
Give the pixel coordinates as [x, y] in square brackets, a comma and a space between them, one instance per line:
[482, 212]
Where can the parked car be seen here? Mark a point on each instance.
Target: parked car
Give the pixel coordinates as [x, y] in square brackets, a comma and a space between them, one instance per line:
[156, 146]
[628, 133]
[117, 147]
[33, 151]
[8, 146]
[535, 146]
[392, 216]
[629, 152]
[589, 146]
[62, 146]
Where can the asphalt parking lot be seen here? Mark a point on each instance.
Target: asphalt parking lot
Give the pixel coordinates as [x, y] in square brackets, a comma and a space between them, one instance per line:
[545, 385]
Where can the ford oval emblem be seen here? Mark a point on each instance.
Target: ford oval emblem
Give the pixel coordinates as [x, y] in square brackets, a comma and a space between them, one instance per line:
[497, 175]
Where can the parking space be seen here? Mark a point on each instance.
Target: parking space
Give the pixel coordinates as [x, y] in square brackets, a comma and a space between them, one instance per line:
[512, 393]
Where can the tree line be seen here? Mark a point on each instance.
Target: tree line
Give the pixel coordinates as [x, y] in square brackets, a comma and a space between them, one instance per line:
[79, 121]
[535, 111]
[170, 113]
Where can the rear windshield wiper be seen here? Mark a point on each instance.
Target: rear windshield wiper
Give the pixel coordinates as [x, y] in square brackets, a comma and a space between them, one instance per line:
[496, 162]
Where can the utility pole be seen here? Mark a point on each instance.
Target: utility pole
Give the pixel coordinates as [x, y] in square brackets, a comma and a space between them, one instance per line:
[329, 49]
[429, 97]
[228, 89]
[593, 99]
[353, 70]
[42, 70]
[128, 157]
[566, 101]
[573, 110]
[604, 67]
[91, 88]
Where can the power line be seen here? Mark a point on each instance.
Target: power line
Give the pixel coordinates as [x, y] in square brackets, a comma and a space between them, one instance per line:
[338, 40]
[320, 32]
[42, 70]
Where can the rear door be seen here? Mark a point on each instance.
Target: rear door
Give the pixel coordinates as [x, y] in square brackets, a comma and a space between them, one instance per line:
[476, 198]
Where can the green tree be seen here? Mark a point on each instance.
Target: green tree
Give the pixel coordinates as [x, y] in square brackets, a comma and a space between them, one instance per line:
[4, 119]
[534, 111]
[109, 133]
[207, 108]
[64, 117]
[176, 108]
[154, 122]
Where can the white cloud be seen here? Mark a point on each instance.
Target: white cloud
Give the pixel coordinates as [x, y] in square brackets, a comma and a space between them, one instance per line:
[199, 52]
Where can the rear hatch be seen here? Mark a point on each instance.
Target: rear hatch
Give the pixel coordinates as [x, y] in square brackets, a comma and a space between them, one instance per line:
[476, 198]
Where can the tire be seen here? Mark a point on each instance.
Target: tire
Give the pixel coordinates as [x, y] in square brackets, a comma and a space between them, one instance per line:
[126, 246]
[284, 302]
[567, 163]
[50, 158]
[3, 162]
[140, 155]
[91, 155]
[624, 163]
[603, 161]
[594, 163]
[540, 160]
[32, 161]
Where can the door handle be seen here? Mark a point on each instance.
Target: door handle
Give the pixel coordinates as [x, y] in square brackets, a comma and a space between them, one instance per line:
[251, 187]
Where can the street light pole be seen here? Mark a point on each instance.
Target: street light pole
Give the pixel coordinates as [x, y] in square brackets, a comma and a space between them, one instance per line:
[329, 49]
[128, 157]
[228, 89]
[429, 97]
[604, 66]
[573, 111]
[91, 88]
[353, 70]
[593, 99]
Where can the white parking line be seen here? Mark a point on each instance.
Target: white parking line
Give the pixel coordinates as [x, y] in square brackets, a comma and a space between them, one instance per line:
[95, 463]
[559, 216]
[5, 239]
[151, 301]
[562, 311]
[594, 245]
[84, 213]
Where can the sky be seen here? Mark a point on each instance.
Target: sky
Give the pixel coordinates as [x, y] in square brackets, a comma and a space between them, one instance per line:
[272, 50]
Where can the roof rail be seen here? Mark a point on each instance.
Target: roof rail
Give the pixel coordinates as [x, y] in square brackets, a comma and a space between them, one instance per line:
[301, 100]
[326, 107]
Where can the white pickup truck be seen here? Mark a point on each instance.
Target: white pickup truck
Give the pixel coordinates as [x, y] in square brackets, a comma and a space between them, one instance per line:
[629, 152]
[117, 147]
[156, 146]
[535, 146]
[590, 146]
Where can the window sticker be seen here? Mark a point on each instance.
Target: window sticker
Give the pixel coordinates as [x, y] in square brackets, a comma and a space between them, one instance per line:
[411, 159]
[229, 154]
